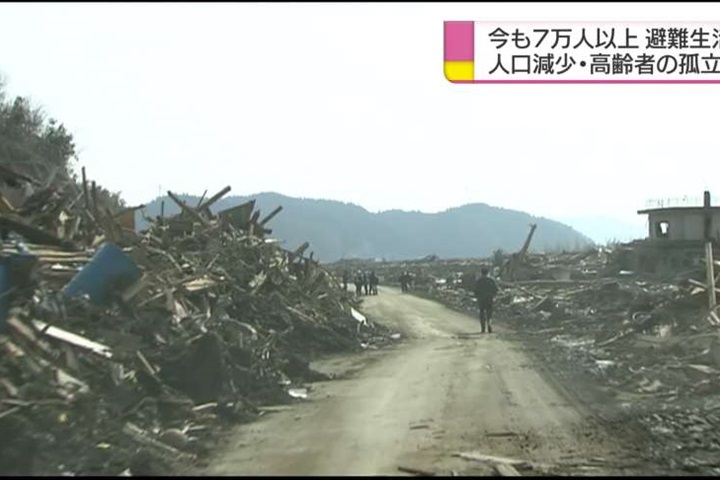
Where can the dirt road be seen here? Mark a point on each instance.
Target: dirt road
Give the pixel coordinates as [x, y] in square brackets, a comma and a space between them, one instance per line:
[446, 389]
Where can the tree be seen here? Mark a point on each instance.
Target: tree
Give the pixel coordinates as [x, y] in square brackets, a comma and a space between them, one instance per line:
[40, 147]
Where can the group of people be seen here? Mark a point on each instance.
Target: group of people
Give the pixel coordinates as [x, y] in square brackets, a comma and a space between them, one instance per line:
[485, 289]
[406, 280]
[365, 282]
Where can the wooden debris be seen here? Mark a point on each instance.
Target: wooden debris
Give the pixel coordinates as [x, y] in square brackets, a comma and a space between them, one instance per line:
[416, 471]
[501, 434]
[9, 412]
[144, 438]
[712, 298]
[492, 459]
[506, 470]
[71, 338]
[218, 315]
[703, 287]
[30, 232]
[190, 211]
[212, 200]
[270, 216]
[5, 206]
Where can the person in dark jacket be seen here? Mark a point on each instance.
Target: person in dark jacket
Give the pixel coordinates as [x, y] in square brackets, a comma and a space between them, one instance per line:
[373, 283]
[358, 283]
[403, 282]
[345, 279]
[366, 283]
[485, 291]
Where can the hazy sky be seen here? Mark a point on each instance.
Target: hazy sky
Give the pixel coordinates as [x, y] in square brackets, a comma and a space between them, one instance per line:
[349, 102]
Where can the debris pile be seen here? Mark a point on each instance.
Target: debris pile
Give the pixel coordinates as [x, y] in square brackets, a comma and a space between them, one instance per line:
[686, 438]
[122, 352]
[633, 333]
[442, 276]
[591, 307]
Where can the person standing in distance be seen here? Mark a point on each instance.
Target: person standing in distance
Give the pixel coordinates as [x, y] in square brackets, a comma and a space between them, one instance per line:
[345, 279]
[485, 291]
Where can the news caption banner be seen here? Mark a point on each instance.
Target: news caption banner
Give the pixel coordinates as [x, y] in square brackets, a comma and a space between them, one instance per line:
[487, 52]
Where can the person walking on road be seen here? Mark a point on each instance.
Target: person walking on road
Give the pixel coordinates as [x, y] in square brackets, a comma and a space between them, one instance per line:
[485, 291]
[345, 279]
[373, 283]
[403, 282]
[358, 283]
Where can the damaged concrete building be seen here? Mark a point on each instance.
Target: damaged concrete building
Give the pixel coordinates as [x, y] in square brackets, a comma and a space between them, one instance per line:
[676, 238]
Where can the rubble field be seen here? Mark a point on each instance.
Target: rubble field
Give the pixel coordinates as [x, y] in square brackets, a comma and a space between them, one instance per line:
[644, 344]
[125, 353]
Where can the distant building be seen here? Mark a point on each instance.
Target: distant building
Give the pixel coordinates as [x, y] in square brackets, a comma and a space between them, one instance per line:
[684, 223]
[675, 239]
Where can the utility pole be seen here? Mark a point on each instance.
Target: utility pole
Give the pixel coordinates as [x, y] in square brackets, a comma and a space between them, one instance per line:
[709, 259]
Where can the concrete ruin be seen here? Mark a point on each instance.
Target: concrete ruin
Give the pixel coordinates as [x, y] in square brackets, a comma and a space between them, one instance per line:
[676, 238]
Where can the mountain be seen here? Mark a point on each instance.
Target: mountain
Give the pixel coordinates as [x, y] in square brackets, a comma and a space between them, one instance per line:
[339, 230]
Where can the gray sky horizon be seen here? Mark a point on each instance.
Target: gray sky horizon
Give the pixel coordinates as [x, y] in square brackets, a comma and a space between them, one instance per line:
[348, 102]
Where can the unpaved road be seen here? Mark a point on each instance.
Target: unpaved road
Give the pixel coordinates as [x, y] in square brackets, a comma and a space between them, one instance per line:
[445, 389]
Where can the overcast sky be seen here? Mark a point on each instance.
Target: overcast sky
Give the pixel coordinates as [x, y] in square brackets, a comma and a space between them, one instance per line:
[349, 102]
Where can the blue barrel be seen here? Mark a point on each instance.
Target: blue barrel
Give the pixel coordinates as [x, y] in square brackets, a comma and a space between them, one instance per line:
[108, 269]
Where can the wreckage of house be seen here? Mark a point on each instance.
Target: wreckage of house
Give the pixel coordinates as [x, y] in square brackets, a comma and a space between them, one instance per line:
[677, 234]
[684, 223]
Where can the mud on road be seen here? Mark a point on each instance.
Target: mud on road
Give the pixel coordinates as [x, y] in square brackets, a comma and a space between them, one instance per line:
[445, 391]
